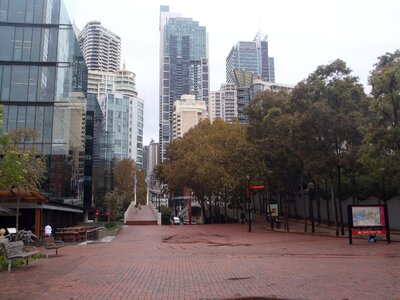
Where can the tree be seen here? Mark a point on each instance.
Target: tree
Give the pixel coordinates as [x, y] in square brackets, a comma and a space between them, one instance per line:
[330, 104]
[114, 201]
[124, 173]
[271, 131]
[381, 144]
[141, 187]
[21, 168]
[211, 159]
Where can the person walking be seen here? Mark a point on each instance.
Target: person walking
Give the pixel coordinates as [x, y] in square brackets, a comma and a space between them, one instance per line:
[48, 230]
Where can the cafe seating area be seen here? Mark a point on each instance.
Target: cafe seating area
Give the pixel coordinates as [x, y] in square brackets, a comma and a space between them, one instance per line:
[76, 233]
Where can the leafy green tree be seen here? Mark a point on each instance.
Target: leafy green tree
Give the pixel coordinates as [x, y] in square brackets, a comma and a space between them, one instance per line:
[329, 105]
[211, 159]
[270, 130]
[141, 187]
[124, 172]
[114, 201]
[381, 144]
[21, 169]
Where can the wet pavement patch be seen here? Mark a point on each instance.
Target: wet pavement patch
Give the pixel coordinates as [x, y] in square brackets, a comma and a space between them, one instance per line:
[239, 278]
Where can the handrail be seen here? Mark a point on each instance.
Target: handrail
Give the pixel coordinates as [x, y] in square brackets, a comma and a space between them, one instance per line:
[96, 229]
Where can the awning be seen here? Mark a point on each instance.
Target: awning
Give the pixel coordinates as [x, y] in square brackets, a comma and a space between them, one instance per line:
[49, 206]
[7, 196]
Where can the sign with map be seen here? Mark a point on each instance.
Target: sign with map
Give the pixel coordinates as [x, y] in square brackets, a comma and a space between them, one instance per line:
[368, 216]
[368, 220]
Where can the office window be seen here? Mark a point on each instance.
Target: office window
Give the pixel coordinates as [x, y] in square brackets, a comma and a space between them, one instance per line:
[19, 83]
[7, 42]
[16, 11]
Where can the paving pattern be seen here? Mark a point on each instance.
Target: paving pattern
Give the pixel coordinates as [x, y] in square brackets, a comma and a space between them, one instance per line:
[211, 262]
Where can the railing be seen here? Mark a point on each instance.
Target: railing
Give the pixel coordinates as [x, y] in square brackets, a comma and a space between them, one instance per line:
[93, 230]
[156, 213]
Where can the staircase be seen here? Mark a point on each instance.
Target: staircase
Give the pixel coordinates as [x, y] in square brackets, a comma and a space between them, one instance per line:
[143, 216]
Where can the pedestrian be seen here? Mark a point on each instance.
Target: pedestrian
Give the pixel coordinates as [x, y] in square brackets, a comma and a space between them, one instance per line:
[171, 220]
[242, 216]
[136, 207]
[48, 230]
[140, 206]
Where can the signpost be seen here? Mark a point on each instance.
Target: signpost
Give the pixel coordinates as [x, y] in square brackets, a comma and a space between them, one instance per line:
[249, 189]
[368, 220]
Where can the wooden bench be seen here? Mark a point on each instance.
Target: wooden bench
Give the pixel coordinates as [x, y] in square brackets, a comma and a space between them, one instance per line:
[18, 250]
[51, 243]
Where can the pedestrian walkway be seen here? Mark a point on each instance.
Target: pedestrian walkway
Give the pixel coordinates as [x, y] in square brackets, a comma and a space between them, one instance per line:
[140, 216]
[211, 262]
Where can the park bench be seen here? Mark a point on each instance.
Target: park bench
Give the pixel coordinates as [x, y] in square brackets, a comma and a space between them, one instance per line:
[18, 250]
[51, 243]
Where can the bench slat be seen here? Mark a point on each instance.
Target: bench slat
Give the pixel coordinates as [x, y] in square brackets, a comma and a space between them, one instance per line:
[17, 250]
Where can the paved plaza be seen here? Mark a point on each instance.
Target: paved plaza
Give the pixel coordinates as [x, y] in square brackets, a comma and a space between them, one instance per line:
[211, 262]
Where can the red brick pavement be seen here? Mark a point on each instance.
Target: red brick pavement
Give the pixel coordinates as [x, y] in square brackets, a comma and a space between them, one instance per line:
[211, 262]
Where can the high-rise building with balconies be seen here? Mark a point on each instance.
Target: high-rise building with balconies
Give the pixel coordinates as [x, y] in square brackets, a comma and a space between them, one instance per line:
[100, 47]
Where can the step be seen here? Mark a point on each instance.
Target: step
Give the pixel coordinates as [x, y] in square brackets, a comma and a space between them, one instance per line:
[141, 222]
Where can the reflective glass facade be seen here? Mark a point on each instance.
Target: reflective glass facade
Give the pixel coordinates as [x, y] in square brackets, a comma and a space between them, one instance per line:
[184, 68]
[251, 57]
[43, 80]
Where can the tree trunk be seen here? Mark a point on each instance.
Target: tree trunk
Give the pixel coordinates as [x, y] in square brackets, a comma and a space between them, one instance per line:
[311, 211]
[304, 203]
[318, 202]
[286, 213]
[335, 211]
[328, 210]
[210, 211]
[17, 215]
[226, 208]
[340, 200]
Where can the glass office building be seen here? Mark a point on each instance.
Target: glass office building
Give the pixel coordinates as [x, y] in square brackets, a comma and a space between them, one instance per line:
[43, 79]
[251, 57]
[184, 67]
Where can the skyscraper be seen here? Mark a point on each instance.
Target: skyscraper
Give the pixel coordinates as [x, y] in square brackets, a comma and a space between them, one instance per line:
[183, 67]
[116, 93]
[251, 57]
[43, 80]
[100, 47]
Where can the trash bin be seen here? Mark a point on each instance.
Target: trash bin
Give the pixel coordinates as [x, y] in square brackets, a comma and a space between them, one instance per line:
[278, 224]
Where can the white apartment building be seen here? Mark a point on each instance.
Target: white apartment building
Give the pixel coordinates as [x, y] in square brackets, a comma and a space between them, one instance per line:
[188, 112]
[223, 103]
[101, 48]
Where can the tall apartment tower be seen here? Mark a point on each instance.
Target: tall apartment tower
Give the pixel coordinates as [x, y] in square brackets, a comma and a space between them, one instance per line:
[251, 57]
[100, 47]
[184, 67]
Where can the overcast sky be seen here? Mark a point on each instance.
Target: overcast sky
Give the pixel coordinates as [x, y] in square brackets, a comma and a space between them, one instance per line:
[302, 35]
